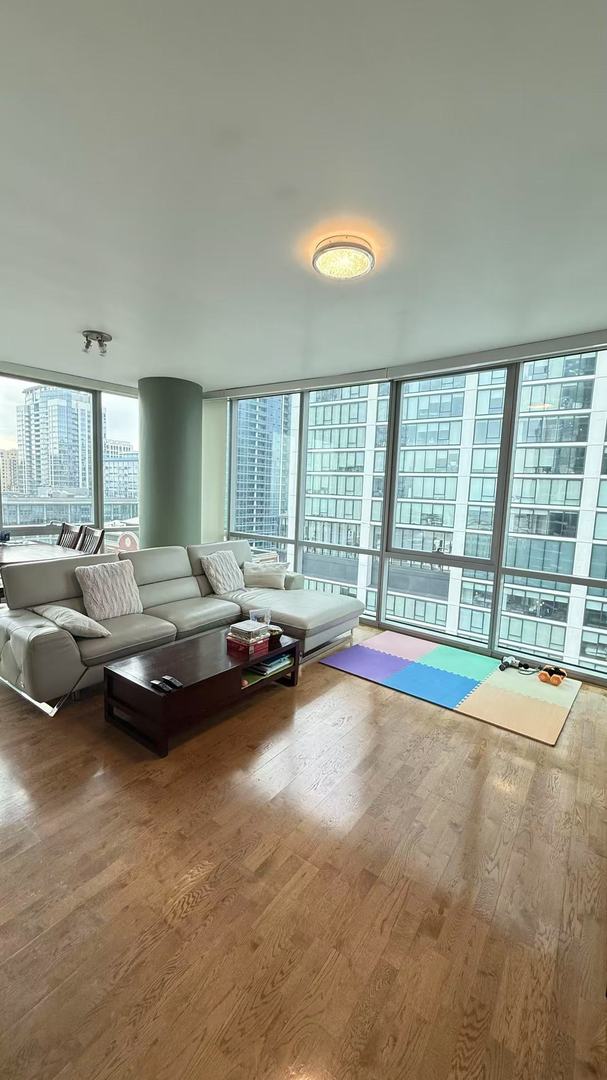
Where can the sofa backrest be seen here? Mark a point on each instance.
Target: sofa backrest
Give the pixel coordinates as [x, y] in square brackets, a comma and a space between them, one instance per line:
[54, 582]
[241, 549]
[163, 575]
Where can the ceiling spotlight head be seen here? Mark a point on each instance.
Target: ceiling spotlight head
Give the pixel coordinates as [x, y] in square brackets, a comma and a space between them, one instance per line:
[99, 336]
[343, 257]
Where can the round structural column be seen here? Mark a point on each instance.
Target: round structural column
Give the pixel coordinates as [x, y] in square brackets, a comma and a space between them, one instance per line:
[170, 455]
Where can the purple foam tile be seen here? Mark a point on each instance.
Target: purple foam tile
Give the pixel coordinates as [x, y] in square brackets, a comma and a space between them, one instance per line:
[368, 664]
[409, 648]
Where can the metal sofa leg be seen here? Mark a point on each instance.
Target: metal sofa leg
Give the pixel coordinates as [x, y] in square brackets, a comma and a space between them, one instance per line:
[43, 706]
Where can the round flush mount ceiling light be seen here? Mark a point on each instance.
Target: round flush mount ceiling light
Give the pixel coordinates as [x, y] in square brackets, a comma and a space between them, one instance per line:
[343, 257]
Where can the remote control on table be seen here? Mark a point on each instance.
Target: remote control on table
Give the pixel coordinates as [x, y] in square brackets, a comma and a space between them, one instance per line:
[172, 681]
[158, 684]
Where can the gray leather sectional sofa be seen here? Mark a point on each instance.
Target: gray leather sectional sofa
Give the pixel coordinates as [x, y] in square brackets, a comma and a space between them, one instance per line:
[47, 663]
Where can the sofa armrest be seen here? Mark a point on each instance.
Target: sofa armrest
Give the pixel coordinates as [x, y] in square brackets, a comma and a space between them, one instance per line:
[294, 581]
[46, 660]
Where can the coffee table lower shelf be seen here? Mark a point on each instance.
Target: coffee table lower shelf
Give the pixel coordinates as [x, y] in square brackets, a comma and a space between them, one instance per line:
[212, 681]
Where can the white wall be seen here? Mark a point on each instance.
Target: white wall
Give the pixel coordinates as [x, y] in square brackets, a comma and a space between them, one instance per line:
[214, 454]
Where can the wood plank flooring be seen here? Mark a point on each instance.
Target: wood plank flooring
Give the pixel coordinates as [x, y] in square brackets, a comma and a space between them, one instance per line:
[336, 882]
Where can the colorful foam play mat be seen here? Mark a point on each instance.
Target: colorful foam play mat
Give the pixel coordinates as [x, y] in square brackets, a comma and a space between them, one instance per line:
[464, 681]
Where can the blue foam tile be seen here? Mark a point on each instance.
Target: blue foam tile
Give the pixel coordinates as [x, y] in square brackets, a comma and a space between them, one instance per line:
[432, 684]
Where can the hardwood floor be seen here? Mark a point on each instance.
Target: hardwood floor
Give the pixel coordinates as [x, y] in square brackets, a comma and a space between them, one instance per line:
[334, 882]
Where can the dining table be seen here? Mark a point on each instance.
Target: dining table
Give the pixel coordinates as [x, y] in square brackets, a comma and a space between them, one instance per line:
[11, 553]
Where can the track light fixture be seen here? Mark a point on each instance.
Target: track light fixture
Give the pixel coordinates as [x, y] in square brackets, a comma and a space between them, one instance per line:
[100, 337]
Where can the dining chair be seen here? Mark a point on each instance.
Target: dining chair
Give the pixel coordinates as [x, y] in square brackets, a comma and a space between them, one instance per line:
[91, 540]
[70, 535]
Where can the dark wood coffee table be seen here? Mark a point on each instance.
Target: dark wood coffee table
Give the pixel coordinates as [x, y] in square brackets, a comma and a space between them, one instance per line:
[212, 680]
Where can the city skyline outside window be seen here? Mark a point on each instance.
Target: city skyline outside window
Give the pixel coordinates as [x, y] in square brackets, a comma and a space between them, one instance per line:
[554, 523]
[455, 506]
[47, 466]
[120, 419]
[46, 454]
[265, 473]
[343, 489]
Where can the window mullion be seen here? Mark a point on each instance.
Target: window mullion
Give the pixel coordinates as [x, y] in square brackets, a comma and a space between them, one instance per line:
[302, 444]
[503, 487]
[98, 489]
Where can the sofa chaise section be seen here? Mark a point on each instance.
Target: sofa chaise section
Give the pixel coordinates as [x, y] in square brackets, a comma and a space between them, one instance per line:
[315, 618]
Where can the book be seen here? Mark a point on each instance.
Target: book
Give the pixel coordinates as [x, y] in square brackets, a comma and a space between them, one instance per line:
[247, 649]
[248, 630]
[251, 675]
[268, 667]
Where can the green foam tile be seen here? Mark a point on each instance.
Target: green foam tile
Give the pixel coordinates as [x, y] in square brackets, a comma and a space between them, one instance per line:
[460, 662]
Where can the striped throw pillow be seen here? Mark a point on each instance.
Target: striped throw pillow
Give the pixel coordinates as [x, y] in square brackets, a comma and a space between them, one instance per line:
[109, 590]
[222, 572]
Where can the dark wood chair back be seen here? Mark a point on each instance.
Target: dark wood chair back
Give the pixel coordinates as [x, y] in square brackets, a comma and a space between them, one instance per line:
[91, 540]
[70, 535]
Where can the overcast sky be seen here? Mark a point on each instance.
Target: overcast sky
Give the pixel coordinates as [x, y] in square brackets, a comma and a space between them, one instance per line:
[121, 413]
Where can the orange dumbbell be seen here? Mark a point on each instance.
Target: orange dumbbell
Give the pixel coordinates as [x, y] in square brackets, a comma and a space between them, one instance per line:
[553, 675]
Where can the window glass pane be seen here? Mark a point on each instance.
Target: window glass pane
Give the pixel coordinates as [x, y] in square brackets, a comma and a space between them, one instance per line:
[600, 528]
[46, 455]
[448, 600]
[551, 517]
[120, 472]
[264, 473]
[345, 573]
[446, 466]
[553, 620]
[352, 478]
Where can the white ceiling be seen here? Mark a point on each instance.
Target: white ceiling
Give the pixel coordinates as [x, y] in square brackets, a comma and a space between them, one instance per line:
[167, 168]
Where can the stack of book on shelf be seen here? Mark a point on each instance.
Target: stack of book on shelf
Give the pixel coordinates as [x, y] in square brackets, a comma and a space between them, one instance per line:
[248, 638]
[269, 667]
[264, 668]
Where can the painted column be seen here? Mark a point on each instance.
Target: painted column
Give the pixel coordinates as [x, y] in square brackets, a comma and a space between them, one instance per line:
[170, 455]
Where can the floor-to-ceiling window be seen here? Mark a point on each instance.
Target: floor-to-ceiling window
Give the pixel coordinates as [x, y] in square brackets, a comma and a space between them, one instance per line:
[265, 455]
[556, 534]
[447, 457]
[46, 456]
[71, 455]
[343, 499]
[470, 505]
[120, 442]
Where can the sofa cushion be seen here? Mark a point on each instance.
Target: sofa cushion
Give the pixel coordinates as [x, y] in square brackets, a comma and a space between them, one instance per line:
[75, 622]
[54, 582]
[129, 634]
[193, 616]
[163, 574]
[222, 572]
[241, 548]
[109, 591]
[264, 575]
[301, 610]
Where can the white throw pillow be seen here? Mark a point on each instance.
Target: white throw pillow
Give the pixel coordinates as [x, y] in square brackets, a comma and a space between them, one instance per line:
[264, 575]
[109, 589]
[222, 572]
[77, 624]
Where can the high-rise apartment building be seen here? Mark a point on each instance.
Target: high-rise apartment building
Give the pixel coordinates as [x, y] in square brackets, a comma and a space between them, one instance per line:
[9, 472]
[54, 442]
[266, 461]
[121, 474]
[115, 447]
